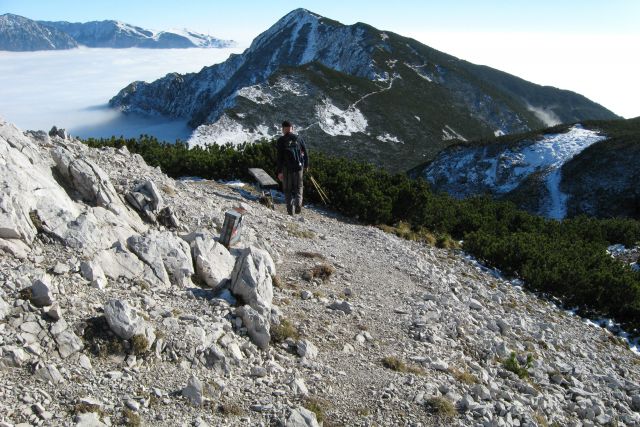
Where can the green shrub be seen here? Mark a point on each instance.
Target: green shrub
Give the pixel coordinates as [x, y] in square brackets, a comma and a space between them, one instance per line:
[521, 370]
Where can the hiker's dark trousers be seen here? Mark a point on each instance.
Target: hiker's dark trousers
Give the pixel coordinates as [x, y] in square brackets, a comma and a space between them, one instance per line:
[292, 186]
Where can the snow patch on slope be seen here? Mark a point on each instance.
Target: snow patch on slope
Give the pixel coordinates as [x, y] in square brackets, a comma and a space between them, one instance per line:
[226, 131]
[256, 94]
[466, 170]
[334, 121]
[448, 134]
[419, 69]
[547, 116]
[389, 138]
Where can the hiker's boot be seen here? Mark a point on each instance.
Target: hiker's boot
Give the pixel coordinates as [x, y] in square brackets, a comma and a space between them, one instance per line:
[290, 211]
[298, 209]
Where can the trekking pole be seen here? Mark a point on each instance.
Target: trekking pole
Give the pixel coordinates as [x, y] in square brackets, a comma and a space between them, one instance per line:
[323, 195]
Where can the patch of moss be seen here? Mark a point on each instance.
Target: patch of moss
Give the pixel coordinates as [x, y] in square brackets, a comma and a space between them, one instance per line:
[295, 231]
[312, 255]
[317, 406]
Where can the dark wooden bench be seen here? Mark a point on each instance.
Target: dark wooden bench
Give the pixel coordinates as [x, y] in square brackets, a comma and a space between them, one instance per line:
[265, 182]
[266, 185]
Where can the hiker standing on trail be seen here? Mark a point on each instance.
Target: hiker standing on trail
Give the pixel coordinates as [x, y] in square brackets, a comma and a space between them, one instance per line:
[292, 160]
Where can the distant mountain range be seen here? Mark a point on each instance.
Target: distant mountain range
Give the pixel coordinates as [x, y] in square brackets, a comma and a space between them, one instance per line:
[587, 168]
[22, 34]
[355, 91]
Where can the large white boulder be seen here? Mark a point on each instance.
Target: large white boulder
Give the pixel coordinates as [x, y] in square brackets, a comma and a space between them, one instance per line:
[168, 256]
[123, 319]
[214, 263]
[251, 278]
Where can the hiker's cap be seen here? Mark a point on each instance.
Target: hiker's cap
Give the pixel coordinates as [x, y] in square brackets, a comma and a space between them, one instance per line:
[286, 124]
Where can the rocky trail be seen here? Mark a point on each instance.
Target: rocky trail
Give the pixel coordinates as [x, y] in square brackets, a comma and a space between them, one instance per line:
[118, 307]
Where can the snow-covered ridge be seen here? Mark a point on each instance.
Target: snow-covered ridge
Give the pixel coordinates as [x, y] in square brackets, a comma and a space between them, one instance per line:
[467, 170]
[227, 131]
[335, 121]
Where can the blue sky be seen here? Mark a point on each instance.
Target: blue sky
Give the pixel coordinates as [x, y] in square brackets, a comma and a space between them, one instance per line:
[588, 46]
[248, 18]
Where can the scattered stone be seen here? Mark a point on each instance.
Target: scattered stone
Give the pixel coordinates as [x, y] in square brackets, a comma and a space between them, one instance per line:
[89, 419]
[41, 292]
[301, 417]
[475, 304]
[259, 371]
[340, 305]
[194, 391]
[307, 349]
[68, 343]
[214, 263]
[4, 309]
[50, 374]
[257, 325]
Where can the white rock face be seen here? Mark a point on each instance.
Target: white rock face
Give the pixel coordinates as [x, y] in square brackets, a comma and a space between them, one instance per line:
[168, 256]
[251, 278]
[26, 185]
[214, 263]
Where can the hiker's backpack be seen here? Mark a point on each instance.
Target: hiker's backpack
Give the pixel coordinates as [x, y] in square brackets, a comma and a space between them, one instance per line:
[295, 155]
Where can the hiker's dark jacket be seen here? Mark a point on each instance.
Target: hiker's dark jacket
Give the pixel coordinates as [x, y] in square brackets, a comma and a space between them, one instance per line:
[292, 153]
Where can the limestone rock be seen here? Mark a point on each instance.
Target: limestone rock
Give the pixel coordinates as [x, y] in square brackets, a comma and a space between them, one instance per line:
[14, 356]
[306, 348]
[89, 419]
[251, 278]
[340, 305]
[257, 325]
[93, 272]
[68, 343]
[214, 263]
[41, 292]
[194, 391]
[50, 374]
[168, 256]
[301, 417]
[123, 319]
[4, 309]
[88, 179]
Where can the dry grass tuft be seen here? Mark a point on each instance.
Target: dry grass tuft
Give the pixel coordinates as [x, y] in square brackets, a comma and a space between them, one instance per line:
[323, 271]
[286, 329]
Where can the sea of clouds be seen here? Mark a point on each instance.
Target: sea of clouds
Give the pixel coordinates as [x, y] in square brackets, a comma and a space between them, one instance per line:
[71, 88]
